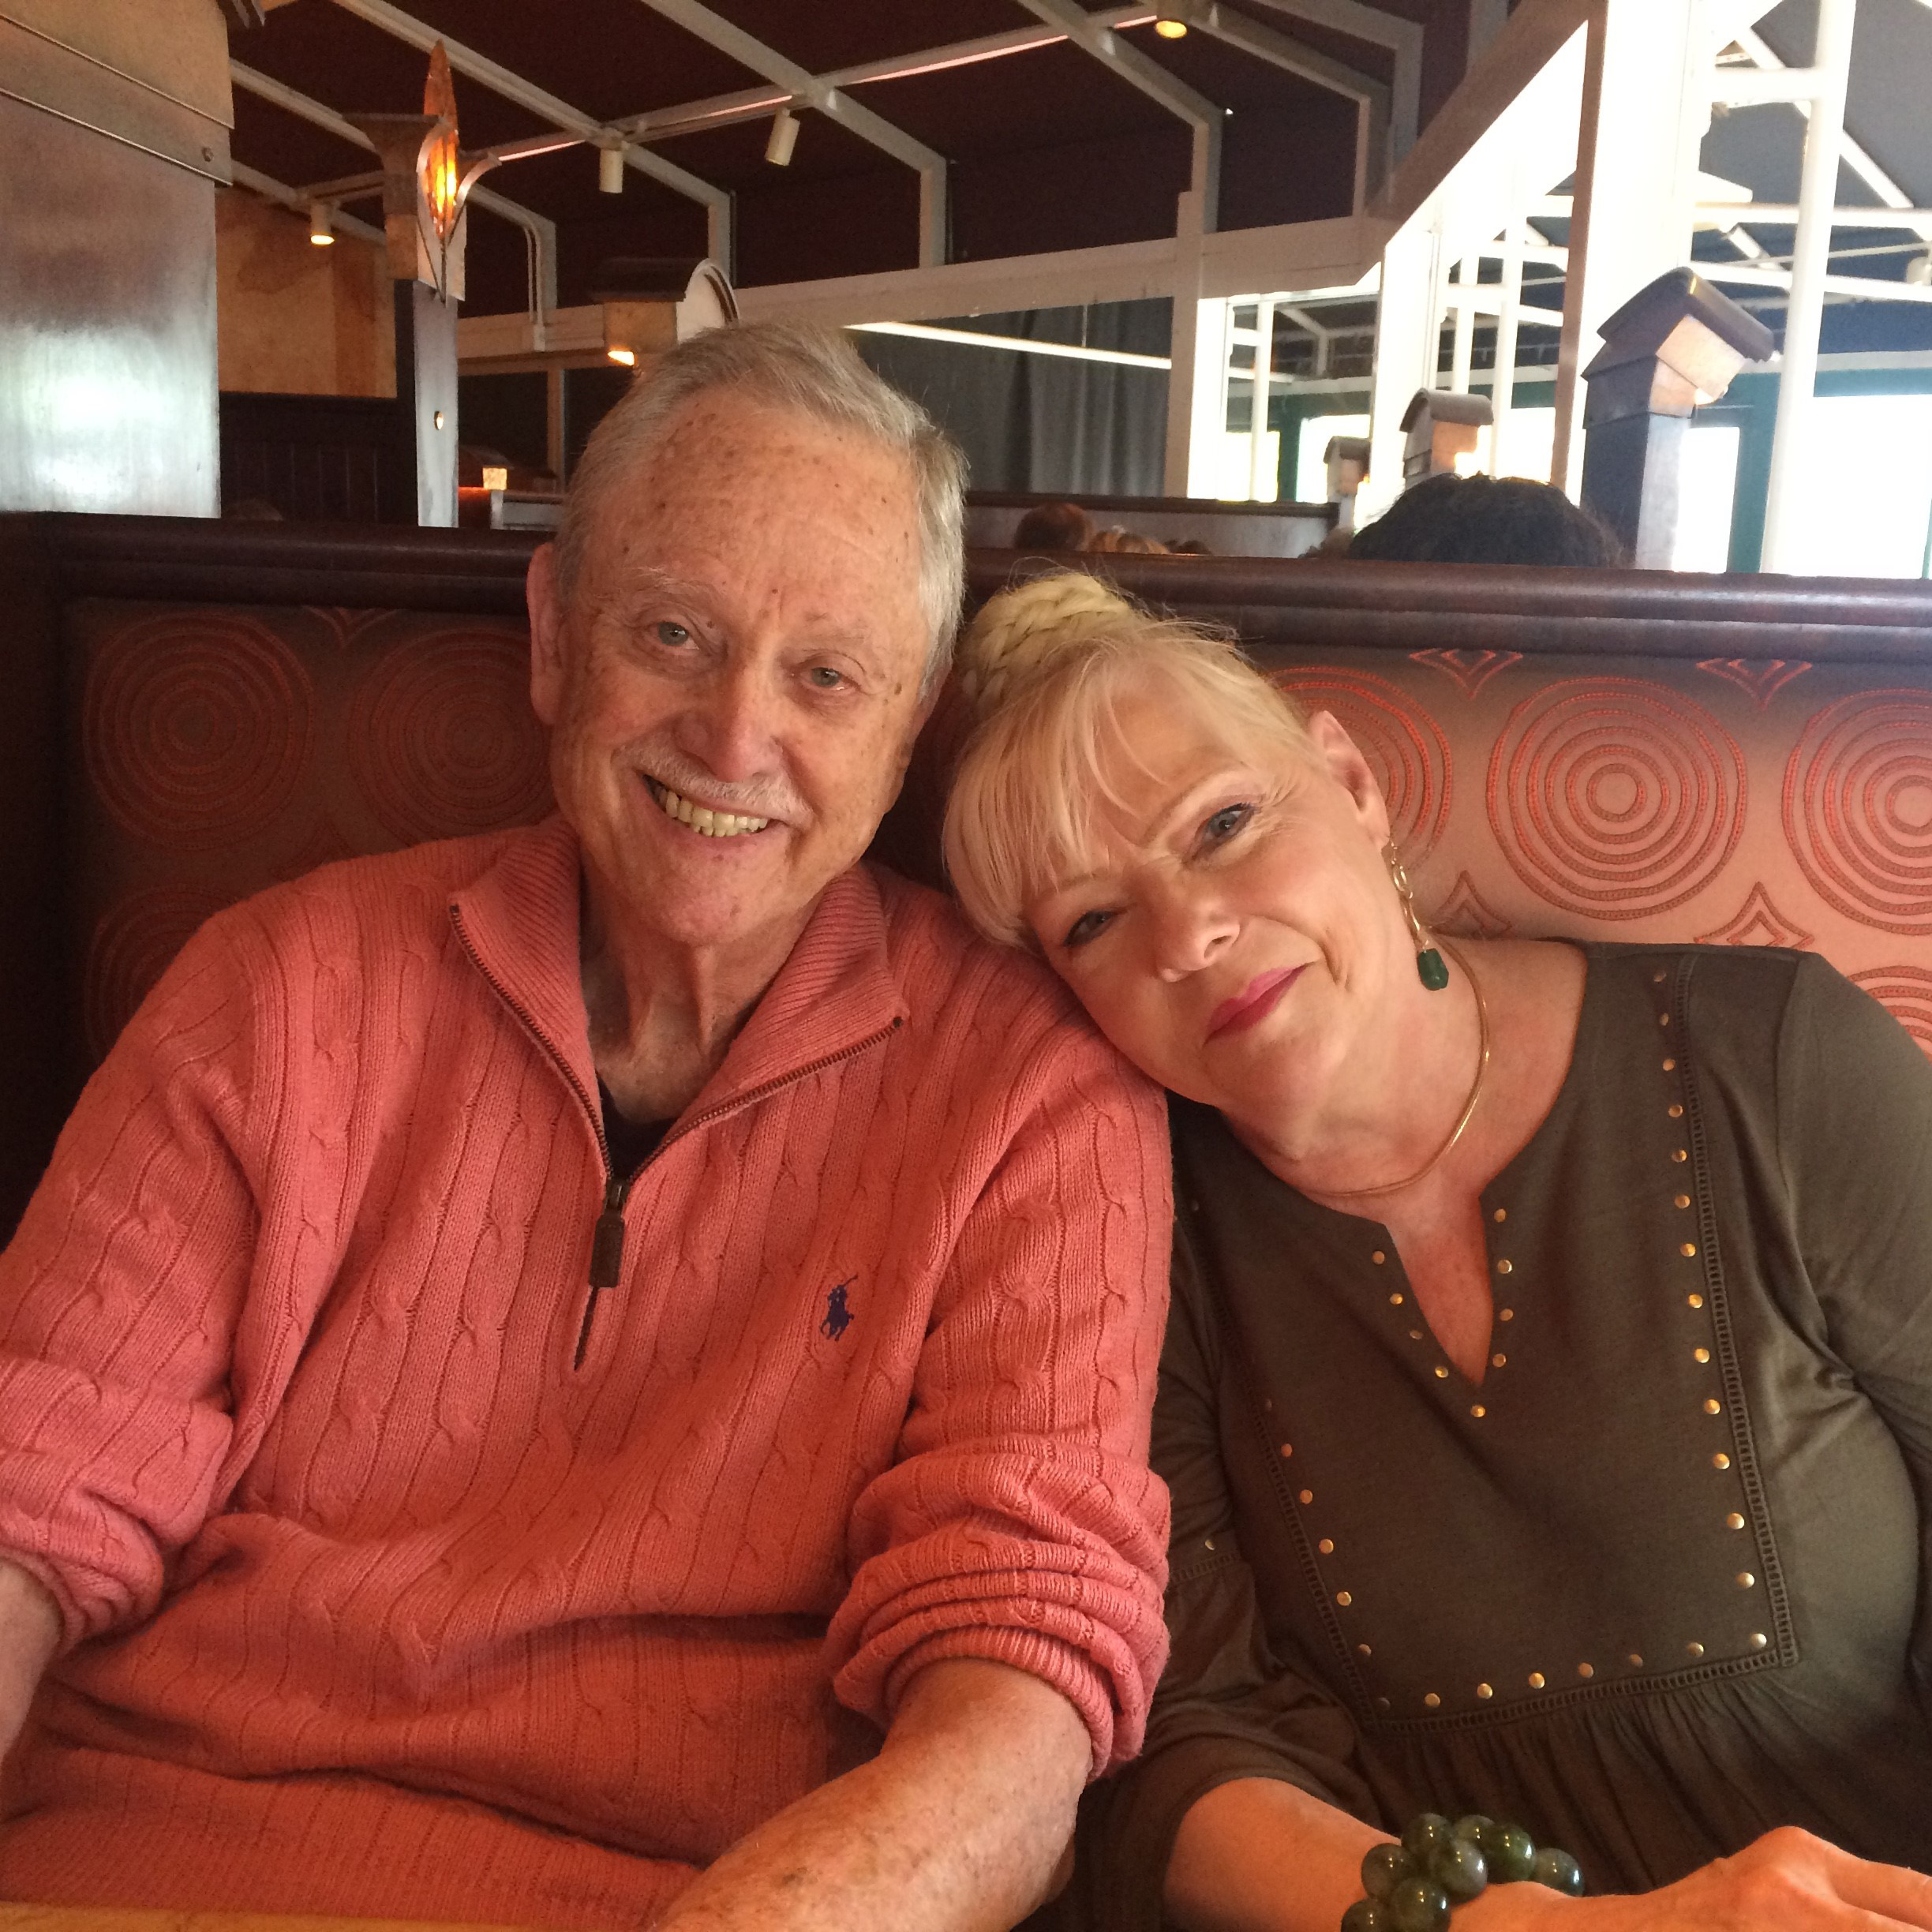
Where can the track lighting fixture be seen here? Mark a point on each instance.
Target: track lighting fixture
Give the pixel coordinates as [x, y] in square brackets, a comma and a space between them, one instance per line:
[783, 138]
[321, 224]
[1171, 22]
[610, 170]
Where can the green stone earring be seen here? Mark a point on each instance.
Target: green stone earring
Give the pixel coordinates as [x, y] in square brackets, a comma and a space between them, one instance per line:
[1429, 966]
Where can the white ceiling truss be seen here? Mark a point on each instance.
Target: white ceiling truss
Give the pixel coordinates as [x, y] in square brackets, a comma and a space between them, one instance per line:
[534, 99]
[1203, 119]
[1386, 115]
[807, 89]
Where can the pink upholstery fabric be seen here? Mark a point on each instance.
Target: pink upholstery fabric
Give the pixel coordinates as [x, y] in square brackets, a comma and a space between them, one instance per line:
[1760, 802]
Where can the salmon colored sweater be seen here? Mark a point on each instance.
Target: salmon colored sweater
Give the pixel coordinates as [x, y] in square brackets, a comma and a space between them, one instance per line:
[401, 1574]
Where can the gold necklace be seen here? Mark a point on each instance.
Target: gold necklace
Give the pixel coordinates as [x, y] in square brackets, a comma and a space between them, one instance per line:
[1463, 1119]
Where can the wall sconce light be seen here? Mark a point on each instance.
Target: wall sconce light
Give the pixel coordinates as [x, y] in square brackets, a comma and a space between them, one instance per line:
[1170, 23]
[426, 183]
[783, 139]
[321, 224]
[610, 170]
[496, 477]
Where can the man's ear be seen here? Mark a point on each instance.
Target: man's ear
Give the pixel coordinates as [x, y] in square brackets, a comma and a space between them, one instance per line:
[548, 641]
[1342, 758]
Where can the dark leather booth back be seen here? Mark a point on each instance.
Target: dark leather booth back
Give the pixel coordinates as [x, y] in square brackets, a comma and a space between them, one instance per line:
[193, 711]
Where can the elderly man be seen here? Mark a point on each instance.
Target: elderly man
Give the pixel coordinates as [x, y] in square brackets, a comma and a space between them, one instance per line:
[534, 1350]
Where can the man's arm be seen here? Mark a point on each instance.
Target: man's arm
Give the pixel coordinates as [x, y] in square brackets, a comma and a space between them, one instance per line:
[957, 1825]
[30, 1629]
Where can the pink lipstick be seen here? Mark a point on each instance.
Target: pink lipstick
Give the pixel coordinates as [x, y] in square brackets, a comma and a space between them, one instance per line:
[1254, 1004]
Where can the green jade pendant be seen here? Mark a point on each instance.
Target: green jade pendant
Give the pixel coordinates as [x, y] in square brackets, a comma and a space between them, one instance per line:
[1430, 969]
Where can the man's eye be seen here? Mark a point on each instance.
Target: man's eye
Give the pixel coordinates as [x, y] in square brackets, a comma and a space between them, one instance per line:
[1225, 823]
[672, 633]
[824, 677]
[1088, 925]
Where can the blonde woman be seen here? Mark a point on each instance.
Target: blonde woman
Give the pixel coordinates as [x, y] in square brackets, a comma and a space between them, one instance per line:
[1547, 1397]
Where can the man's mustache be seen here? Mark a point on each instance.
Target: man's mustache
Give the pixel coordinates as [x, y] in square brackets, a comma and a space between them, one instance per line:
[763, 797]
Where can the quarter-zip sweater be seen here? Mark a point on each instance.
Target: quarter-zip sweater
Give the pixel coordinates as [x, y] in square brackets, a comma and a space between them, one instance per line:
[404, 1572]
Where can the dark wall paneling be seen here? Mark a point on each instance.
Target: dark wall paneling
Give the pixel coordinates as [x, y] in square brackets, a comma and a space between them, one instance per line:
[798, 230]
[321, 458]
[106, 324]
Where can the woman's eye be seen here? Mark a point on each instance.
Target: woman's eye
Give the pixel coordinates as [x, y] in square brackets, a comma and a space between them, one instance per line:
[673, 633]
[1088, 925]
[1225, 823]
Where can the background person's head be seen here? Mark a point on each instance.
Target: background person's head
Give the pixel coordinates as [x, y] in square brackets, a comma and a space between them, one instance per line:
[1053, 528]
[1124, 542]
[1480, 519]
[738, 632]
[1202, 866]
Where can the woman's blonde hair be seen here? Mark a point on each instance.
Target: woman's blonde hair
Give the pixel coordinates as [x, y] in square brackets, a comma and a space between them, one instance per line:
[1046, 669]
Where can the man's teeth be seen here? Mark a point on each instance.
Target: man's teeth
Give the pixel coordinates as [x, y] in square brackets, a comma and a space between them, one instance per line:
[703, 818]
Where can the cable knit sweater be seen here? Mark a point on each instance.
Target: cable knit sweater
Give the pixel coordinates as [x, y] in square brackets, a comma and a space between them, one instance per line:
[402, 1573]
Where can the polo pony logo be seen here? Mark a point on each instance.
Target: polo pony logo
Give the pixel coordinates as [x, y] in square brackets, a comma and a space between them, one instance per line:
[838, 1315]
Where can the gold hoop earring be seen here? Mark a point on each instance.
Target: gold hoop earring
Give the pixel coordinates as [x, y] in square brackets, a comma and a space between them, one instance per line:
[1429, 967]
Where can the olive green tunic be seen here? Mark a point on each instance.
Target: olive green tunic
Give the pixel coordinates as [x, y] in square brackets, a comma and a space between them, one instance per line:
[1654, 1585]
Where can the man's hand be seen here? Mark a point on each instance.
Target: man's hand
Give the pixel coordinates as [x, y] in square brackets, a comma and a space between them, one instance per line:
[30, 1629]
[957, 1825]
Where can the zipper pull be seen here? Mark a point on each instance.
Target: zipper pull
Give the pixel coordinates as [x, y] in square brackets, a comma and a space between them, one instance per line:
[607, 1239]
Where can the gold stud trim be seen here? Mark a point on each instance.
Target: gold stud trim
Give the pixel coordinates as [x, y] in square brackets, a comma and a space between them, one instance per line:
[1758, 1640]
[1343, 1598]
[1721, 1461]
[1499, 1361]
[1441, 1374]
[1636, 1658]
[1746, 1580]
[1586, 1670]
[1687, 1249]
[1506, 1267]
[1485, 1691]
[1208, 1543]
[1396, 1300]
[1536, 1680]
[1502, 1214]
[1733, 1521]
[1362, 1650]
[1432, 1700]
[1378, 1257]
[1712, 1406]
[1477, 1410]
[1694, 1649]
[1415, 1334]
[1506, 1314]
[1700, 1354]
[1287, 1449]
[1676, 1110]
[1381, 1703]
[1682, 1154]
[1693, 1301]
[1663, 1018]
[1670, 1066]
[1658, 978]
[1308, 1497]
[1683, 1201]
[1327, 1546]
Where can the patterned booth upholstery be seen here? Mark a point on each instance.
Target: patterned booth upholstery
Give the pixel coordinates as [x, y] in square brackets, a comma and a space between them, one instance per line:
[197, 711]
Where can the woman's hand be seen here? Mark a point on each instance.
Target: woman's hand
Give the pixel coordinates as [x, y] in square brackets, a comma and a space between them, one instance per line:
[1785, 1881]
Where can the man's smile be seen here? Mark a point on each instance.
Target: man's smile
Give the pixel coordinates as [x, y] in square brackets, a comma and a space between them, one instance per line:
[702, 819]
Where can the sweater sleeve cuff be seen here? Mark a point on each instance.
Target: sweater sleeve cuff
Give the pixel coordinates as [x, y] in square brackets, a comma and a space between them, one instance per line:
[1055, 1662]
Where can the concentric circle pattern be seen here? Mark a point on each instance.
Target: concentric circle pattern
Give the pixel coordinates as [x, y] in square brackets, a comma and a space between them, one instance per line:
[1616, 797]
[1906, 993]
[442, 739]
[1858, 808]
[133, 946]
[1405, 747]
[196, 731]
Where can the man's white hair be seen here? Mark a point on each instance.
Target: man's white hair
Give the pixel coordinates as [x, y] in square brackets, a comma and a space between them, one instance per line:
[817, 373]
